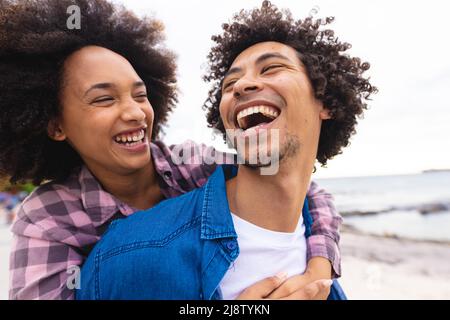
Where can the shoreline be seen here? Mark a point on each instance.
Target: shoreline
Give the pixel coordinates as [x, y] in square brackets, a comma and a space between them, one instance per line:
[349, 229]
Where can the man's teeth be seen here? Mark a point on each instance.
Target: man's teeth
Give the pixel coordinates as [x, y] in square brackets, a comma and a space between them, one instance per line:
[267, 111]
[129, 138]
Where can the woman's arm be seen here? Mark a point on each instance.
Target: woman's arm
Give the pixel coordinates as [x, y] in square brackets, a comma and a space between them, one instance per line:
[41, 269]
[324, 239]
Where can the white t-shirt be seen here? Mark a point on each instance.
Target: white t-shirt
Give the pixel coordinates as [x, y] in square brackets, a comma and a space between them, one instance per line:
[263, 253]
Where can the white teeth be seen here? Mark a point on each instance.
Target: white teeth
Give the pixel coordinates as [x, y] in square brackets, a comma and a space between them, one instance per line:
[268, 111]
[265, 110]
[240, 122]
[138, 136]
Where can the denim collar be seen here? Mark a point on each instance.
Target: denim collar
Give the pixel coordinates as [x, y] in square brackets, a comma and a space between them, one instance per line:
[216, 221]
[216, 217]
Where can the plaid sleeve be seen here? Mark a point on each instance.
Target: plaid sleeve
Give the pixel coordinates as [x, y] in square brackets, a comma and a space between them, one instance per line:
[41, 269]
[324, 239]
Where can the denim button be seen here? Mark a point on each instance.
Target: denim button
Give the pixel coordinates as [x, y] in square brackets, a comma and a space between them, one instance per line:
[231, 245]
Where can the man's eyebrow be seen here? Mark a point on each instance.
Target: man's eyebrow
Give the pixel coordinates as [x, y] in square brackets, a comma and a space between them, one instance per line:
[269, 55]
[260, 59]
[107, 85]
[232, 70]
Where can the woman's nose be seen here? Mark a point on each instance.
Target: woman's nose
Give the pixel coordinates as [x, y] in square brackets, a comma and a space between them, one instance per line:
[133, 112]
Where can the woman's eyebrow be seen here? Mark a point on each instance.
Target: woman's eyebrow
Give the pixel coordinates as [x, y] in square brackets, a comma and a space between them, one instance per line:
[103, 85]
[108, 85]
[138, 84]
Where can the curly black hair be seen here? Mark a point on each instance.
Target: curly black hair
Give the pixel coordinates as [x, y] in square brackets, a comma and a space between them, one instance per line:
[34, 43]
[337, 78]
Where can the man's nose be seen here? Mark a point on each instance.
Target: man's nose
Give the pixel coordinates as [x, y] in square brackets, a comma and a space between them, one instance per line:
[245, 86]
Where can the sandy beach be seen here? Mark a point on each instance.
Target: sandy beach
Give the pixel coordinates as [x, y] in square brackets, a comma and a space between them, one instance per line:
[388, 268]
[373, 267]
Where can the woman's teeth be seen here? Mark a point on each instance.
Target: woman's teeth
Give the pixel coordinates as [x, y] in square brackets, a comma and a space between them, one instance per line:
[131, 139]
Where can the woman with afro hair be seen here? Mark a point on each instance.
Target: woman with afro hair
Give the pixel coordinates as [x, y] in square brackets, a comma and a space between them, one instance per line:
[80, 114]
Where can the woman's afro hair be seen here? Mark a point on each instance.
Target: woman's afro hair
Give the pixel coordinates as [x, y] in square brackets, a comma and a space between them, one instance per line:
[34, 43]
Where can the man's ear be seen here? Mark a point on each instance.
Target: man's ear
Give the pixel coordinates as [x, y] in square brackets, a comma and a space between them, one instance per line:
[325, 114]
[54, 131]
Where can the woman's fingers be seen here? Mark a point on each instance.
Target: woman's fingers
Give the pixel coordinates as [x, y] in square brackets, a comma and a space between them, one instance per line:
[263, 288]
[317, 290]
[289, 286]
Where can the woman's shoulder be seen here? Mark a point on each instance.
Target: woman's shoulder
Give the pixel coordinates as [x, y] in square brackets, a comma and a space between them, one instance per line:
[50, 206]
[50, 195]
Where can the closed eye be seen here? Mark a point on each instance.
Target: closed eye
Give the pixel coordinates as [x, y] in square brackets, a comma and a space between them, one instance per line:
[141, 97]
[271, 67]
[103, 99]
[229, 84]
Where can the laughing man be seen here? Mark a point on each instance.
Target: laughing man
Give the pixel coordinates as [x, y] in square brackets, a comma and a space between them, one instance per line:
[281, 88]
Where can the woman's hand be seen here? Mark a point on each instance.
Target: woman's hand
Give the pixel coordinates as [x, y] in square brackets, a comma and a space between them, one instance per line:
[294, 288]
[318, 269]
[314, 284]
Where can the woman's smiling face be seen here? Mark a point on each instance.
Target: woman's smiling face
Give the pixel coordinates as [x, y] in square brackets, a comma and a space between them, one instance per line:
[106, 116]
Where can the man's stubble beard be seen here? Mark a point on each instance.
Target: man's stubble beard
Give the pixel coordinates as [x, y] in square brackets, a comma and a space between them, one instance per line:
[289, 149]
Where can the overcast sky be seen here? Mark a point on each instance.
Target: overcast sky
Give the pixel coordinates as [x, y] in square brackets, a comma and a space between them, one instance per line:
[407, 127]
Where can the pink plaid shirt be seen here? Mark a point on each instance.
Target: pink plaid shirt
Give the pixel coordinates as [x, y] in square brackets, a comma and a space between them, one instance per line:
[59, 223]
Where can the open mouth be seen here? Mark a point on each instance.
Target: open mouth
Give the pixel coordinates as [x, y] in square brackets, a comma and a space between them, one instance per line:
[253, 117]
[130, 139]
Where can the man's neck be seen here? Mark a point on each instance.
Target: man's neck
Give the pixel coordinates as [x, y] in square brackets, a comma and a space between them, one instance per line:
[273, 202]
[139, 189]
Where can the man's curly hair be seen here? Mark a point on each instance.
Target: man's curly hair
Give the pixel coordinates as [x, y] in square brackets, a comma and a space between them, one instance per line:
[336, 77]
[34, 43]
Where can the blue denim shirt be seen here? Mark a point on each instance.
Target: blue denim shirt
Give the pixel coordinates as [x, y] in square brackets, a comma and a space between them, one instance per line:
[179, 249]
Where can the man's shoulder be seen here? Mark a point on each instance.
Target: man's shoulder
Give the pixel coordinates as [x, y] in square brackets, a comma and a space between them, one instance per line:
[159, 223]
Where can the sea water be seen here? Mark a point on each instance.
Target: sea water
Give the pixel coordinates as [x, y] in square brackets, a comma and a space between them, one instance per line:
[414, 206]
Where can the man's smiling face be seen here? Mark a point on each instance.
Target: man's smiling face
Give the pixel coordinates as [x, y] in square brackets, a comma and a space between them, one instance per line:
[267, 88]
